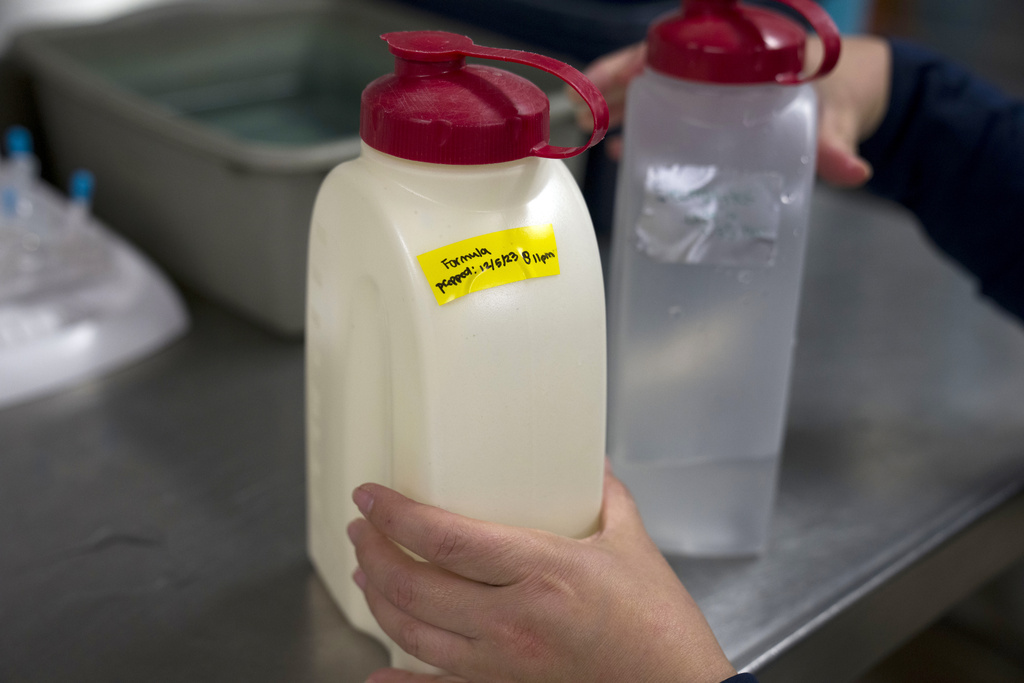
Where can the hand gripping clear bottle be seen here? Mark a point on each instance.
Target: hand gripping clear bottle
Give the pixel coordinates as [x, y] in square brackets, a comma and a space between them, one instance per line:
[456, 318]
[710, 224]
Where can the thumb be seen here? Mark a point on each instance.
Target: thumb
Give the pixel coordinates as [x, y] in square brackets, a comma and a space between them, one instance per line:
[840, 166]
[839, 163]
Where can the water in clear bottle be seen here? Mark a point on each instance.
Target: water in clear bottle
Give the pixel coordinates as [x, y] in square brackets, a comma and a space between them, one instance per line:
[709, 236]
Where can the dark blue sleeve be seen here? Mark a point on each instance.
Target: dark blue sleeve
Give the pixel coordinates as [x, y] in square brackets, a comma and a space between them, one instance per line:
[741, 678]
[951, 149]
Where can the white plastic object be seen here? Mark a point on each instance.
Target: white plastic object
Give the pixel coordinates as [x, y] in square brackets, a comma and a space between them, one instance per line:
[76, 301]
[80, 191]
[456, 324]
[492, 405]
[710, 230]
[19, 175]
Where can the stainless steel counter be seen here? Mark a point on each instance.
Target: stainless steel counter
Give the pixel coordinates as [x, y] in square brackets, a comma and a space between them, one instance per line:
[152, 522]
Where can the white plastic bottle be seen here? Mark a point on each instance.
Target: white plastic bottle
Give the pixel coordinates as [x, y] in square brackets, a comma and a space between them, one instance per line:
[456, 319]
[710, 226]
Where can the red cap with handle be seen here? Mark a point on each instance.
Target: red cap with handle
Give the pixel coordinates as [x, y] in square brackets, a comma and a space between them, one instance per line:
[438, 109]
[725, 41]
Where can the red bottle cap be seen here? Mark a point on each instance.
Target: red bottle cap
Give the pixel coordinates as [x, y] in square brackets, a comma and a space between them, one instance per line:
[438, 109]
[725, 41]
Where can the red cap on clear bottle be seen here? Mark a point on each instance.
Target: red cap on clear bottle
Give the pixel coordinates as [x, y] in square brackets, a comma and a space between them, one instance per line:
[438, 109]
[725, 41]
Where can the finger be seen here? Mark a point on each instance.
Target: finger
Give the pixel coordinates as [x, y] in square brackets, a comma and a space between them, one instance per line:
[615, 70]
[481, 551]
[612, 75]
[421, 590]
[614, 147]
[840, 166]
[424, 641]
[585, 118]
[838, 135]
[399, 676]
[615, 99]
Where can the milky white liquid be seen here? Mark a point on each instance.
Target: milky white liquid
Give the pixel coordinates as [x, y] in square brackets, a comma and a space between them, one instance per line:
[492, 405]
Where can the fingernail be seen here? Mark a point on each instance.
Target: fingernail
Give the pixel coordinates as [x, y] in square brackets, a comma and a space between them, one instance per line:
[363, 500]
[360, 578]
[352, 531]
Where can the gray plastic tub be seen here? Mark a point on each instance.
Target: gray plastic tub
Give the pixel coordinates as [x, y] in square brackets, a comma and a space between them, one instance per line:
[211, 126]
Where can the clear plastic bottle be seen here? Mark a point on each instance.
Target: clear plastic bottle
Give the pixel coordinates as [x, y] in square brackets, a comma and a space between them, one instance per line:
[22, 166]
[81, 251]
[75, 300]
[81, 185]
[456, 320]
[23, 245]
[709, 233]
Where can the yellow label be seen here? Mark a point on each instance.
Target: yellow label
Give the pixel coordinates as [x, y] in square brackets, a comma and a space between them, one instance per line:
[490, 260]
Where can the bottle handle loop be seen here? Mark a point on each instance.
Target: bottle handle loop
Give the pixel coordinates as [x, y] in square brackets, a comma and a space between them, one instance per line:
[576, 80]
[827, 31]
[435, 46]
